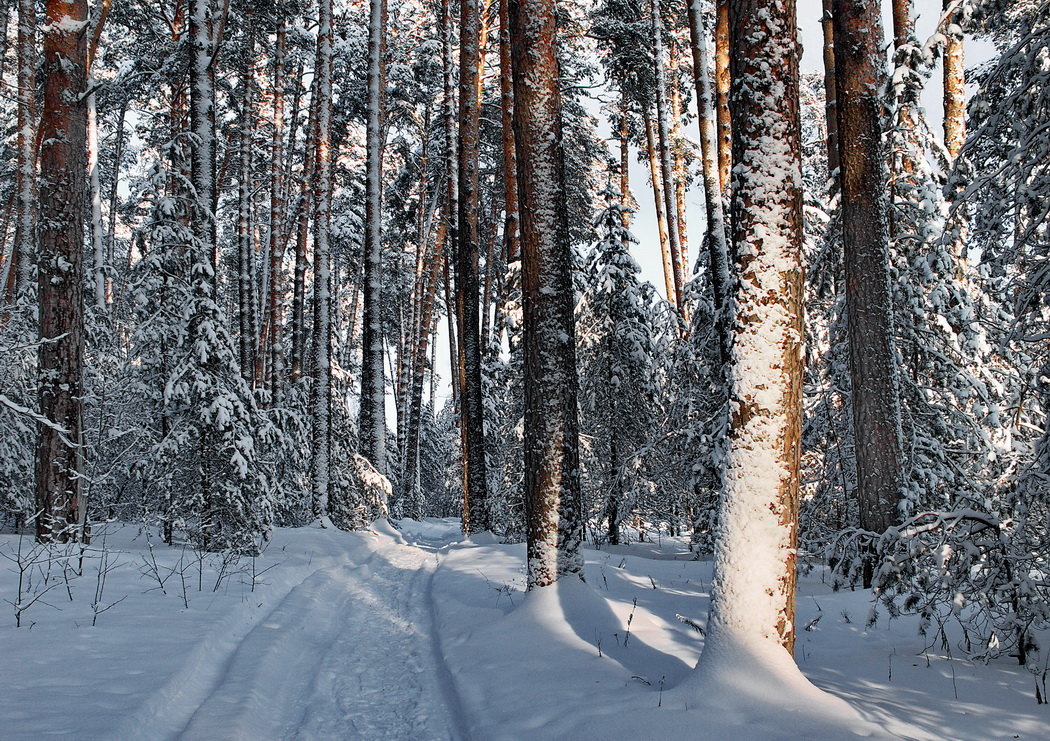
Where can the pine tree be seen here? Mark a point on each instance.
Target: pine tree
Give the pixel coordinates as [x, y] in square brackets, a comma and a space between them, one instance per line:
[552, 484]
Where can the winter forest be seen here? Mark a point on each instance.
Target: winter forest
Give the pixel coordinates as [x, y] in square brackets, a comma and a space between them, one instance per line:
[524, 369]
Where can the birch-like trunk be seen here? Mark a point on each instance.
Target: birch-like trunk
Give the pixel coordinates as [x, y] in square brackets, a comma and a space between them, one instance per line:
[270, 350]
[861, 76]
[753, 595]
[321, 388]
[554, 507]
[372, 438]
[25, 172]
[715, 240]
[61, 508]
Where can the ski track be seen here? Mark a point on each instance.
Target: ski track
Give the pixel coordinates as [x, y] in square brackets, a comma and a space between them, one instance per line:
[348, 653]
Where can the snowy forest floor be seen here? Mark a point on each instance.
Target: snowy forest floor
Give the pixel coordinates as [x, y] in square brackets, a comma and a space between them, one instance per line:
[418, 634]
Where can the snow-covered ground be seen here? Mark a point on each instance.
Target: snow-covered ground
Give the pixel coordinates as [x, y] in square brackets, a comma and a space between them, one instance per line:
[420, 635]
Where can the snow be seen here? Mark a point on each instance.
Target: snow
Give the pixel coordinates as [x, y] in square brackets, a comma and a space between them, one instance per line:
[412, 633]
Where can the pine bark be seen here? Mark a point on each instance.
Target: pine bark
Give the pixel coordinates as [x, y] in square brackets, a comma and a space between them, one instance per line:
[511, 229]
[861, 76]
[954, 89]
[372, 438]
[830, 96]
[660, 202]
[467, 259]
[61, 508]
[722, 75]
[754, 596]
[663, 132]
[552, 478]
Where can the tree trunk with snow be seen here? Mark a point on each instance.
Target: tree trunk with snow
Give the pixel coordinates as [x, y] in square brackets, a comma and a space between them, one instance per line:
[715, 240]
[554, 507]
[954, 87]
[753, 596]
[270, 350]
[860, 72]
[372, 438]
[471, 407]
[246, 286]
[61, 508]
[321, 388]
[25, 167]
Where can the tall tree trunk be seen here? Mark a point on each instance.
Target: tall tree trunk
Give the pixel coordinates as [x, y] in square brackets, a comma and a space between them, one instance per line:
[663, 131]
[954, 88]
[553, 501]
[270, 351]
[302, 239]
[511, 230]
[679, 175]
[372, 439]
[471, 406]
[717, 248]
[411, 495]
[25, 174]
[63, 126]
[725, 128]
[624, 133]
[860, 72]
[754, 597]
[656, 176]
[202, 125]
[321, 388]
[98, 247]
[451, 168]
[830, 107]
[247, 334]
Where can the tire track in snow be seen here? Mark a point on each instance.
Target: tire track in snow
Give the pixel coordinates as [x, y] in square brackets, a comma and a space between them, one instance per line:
[350, 652]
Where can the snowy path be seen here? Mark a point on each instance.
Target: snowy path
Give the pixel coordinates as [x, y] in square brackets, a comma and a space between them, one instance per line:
[348, 653]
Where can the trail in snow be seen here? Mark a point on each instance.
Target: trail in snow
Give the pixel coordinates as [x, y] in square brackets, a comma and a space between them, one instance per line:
[348, 653]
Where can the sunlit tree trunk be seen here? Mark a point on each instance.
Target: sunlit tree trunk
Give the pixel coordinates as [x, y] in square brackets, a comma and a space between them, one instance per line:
[830, 106]
[656, 176]
[725, 129]
[861, 75]
[61, 509]
[753, 596]
[954, 88]
[663, 137]
[552, 478]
